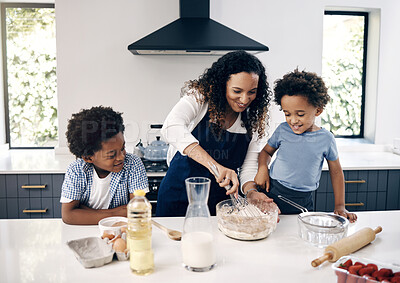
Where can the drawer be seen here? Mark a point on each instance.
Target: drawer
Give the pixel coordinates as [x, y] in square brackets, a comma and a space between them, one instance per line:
[35, 208]
[32, 185]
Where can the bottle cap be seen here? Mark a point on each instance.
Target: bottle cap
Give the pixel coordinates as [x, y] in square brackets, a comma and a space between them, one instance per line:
[139, 193]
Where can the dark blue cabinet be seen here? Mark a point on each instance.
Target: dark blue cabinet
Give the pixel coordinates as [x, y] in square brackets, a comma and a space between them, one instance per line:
[365, 190]
[30, 195]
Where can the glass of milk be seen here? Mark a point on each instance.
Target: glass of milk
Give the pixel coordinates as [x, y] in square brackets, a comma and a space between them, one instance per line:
[198, 250]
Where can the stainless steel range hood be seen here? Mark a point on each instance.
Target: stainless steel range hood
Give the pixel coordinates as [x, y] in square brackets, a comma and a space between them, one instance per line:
[194, 33]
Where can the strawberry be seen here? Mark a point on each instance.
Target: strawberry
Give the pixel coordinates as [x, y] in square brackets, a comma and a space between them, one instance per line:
[373, 265]
[396, 274]
[360, 263]
[385, 272]
[366, 270]
[354, 269]
[395, 279]
[375, 274]
[346, 265]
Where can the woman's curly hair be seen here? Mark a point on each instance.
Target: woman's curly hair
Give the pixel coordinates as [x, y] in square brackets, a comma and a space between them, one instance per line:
[210, 87]
[88, 128]
[303, 83]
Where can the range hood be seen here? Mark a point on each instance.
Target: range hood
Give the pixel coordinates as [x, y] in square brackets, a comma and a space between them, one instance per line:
[194, 33]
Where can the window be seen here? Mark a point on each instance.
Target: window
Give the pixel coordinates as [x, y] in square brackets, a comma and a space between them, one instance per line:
[29, 67]
[344, 72]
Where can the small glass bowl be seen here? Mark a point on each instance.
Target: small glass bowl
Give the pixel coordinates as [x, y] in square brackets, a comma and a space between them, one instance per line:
[242, 225]
[322, 229]
[112, 225]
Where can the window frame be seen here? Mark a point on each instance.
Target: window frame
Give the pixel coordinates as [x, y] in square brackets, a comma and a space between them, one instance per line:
[364, 71]
[3, 7]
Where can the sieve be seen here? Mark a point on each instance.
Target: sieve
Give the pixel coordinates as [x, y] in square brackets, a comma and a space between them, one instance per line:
[319, 228]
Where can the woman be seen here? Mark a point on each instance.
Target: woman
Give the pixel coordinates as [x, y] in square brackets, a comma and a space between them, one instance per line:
[219, 119]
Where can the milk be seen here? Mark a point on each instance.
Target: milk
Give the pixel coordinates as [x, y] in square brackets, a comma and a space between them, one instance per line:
[198, 250]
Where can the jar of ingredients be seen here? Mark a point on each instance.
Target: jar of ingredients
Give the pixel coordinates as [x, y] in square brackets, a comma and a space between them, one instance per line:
[198, 250]
[139, 234]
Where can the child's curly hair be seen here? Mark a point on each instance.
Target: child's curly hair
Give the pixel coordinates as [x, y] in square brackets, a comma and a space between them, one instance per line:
[211, 86]
[88, 128]
[303, 83]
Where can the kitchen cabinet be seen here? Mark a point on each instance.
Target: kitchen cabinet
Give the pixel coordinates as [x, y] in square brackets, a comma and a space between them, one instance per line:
[30, 195]
[366, 190]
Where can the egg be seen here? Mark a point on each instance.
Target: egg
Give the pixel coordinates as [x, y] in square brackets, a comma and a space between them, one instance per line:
[106, 235]
[119, 223]
[119, 245]
[123, 230]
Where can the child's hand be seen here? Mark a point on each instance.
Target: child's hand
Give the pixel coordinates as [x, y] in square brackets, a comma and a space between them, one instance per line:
[342, 211]
[262, 178]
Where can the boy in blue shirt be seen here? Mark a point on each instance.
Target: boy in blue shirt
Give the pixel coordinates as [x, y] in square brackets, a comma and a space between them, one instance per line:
[302, 145]
[101, 181]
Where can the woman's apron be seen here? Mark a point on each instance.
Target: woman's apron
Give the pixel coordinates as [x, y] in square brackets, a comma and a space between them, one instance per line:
[229, 151]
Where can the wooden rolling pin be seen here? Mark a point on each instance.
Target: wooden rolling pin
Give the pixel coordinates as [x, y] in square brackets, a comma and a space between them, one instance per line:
[347, 245]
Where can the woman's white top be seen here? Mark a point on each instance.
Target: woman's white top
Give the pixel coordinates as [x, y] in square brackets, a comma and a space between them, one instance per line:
[184, 117]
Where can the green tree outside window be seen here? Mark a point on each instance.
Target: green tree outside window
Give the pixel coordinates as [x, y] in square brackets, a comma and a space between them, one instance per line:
[342, 70]
[31, 76]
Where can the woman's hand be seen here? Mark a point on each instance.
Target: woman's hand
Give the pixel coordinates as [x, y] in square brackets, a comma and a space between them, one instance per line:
[341, 210]
[257, 197]
[227, 177]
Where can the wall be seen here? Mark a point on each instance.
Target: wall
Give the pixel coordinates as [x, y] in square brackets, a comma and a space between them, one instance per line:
[95, 67]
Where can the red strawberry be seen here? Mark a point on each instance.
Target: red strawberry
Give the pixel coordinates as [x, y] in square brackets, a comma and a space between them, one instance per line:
[347, 264]
[354, 269]
[385, 272]
[375, 274]
[360, 263]
[396, 274]
[395, 279]
[373, 265]
[366, 270]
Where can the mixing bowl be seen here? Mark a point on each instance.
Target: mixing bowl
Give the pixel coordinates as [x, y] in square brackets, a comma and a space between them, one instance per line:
[322, 229]
[248, 223]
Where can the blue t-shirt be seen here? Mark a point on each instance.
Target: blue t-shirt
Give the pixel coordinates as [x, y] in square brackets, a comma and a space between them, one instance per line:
[299, 158]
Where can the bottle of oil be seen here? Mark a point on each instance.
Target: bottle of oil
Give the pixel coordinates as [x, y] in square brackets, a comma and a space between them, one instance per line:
[139, 234]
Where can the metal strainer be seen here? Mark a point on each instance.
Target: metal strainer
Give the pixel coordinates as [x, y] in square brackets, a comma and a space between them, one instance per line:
[319, 228]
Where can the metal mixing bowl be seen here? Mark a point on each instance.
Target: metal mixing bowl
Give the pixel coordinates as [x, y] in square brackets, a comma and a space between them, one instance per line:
[241, 225]
[322, 229]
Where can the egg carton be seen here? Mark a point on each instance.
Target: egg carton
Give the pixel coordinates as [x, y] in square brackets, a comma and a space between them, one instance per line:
[121, 255]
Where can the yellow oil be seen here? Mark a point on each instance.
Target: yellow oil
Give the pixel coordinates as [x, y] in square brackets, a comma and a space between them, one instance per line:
[139, 239]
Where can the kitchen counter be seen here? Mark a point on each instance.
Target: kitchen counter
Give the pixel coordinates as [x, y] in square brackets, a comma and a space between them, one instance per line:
[34, 250]
[46, 161]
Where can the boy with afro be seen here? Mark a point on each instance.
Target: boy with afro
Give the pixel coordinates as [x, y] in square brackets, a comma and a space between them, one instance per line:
[101, 181]
[302, 145]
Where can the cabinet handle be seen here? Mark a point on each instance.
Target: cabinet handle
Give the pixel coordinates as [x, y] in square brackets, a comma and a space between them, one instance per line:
[152, 201]
[33, 186]
[355, 204]
[34, 210]
[355, 182]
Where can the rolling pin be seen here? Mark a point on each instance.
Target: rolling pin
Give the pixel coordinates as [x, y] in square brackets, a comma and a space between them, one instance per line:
[347, 245]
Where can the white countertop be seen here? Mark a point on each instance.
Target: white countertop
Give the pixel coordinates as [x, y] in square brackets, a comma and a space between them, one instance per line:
[35, 250]
[46, 161]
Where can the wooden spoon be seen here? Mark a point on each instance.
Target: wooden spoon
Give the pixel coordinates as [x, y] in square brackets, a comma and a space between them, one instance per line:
[172, 234]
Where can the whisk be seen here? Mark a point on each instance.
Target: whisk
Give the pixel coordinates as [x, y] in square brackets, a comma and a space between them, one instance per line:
[241, 203]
